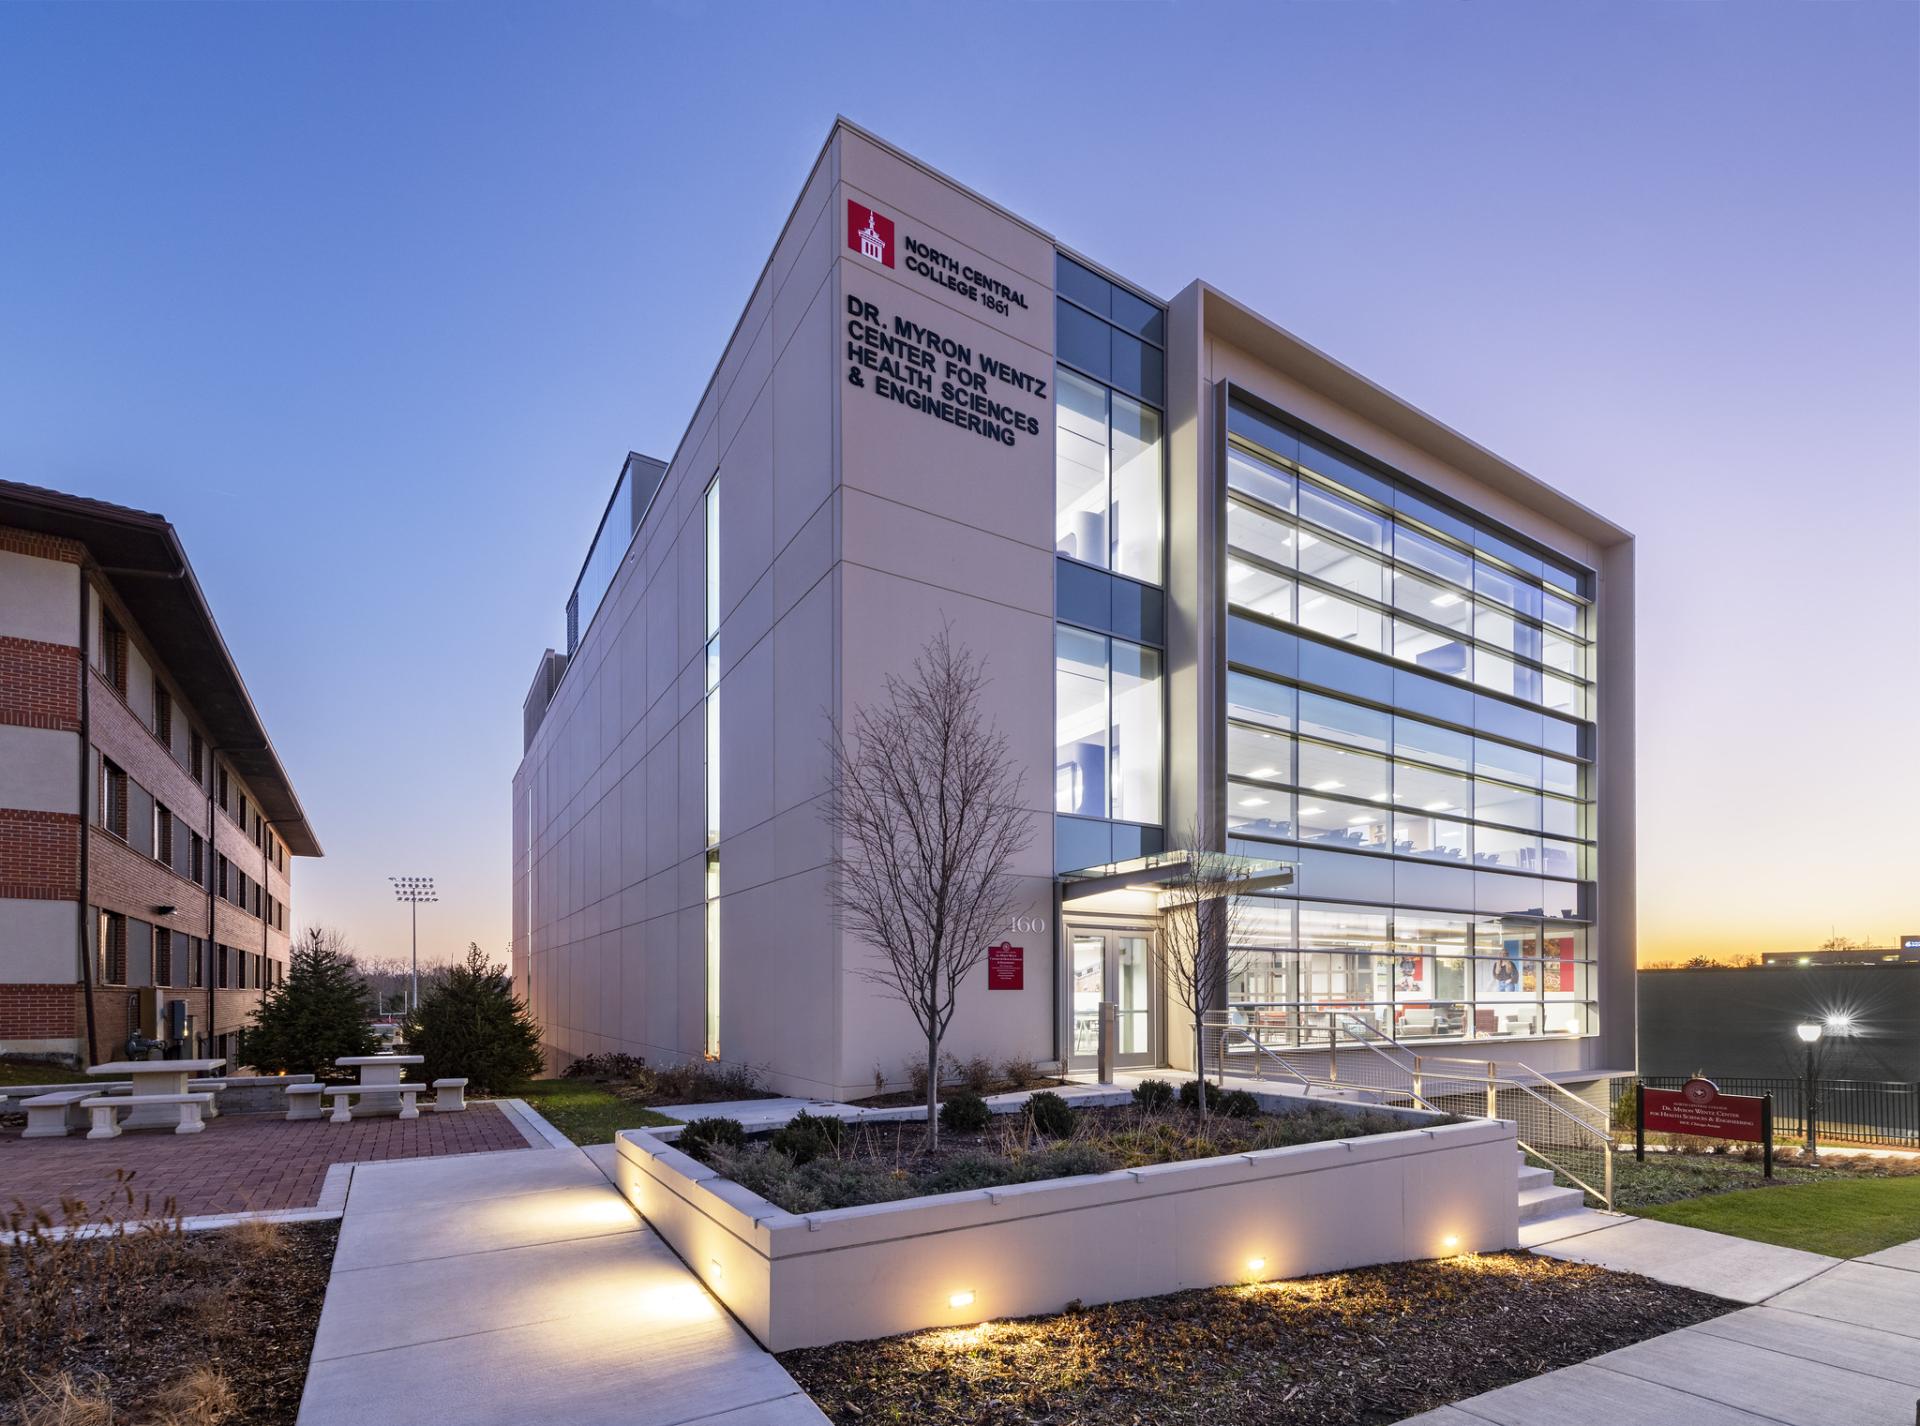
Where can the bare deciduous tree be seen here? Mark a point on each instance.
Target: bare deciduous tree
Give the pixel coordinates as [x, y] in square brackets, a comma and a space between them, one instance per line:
[1203, 917]
[927, 819]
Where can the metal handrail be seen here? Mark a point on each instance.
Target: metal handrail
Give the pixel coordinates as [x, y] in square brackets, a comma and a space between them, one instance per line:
[1415, 1071]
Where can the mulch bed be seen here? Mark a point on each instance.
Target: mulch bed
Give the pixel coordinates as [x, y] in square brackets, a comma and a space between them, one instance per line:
[901, 1098]
[1359, 1348]
[243, 1302]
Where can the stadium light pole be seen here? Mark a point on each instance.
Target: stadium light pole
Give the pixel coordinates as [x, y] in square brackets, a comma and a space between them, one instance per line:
[413, 890]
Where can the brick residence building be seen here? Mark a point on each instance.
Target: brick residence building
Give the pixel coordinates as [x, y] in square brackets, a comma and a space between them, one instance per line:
[146, 823]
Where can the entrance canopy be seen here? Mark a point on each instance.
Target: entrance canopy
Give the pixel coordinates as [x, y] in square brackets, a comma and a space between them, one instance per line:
[1164, 874]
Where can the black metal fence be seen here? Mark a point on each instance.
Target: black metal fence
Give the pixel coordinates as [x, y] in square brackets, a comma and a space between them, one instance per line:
[1859, 1111]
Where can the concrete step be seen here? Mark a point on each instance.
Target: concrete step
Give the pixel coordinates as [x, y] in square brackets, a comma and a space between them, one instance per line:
[1549, 1202]
[1534, 1176]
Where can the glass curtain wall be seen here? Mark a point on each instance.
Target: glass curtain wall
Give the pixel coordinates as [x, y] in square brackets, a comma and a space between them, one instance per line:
[1449, 810]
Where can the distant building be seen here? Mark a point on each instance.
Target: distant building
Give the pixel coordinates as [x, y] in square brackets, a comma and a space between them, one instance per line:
[1906, 953]
[146, 823]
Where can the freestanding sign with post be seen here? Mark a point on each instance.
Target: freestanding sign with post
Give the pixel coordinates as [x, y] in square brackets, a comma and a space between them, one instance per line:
[1698, 1107]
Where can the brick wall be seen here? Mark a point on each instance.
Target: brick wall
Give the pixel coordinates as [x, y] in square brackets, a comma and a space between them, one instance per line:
[39, 1012]
[123, 735]
[39, 684]
[39, 855]
[46, 547]
[121, 879]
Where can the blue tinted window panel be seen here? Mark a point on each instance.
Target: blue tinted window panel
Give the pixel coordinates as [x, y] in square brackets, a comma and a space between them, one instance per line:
[1507, 895]
[1520, 559]
[1139, 612]
[1089, 289]
[1261, 647]
[1432, 516]
[1138, 368]
[1344, 672]
[1143, 319]
[1080, 595]
[1559, 736]
[1263, 432]
[1084, 342]
[1491, 715]
[1338, 467]
[1431, 698]
[1343, 876]
[1443, 888]
[1079, 842]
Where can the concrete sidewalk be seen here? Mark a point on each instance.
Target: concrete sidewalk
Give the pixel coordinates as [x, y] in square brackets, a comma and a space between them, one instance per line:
[502, 1289]
[1830, 1343]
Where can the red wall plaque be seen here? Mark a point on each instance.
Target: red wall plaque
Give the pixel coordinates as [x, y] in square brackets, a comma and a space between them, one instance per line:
[1006, 967]
[1700, 1108]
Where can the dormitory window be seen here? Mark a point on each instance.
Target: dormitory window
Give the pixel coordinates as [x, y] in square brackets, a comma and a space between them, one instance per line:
[163, 715]
[221, 955]
[113, 948]
[221, 795]
[197, 756]
[162, 835]
[113, 799]
[162, 956]
[196, 963]
[113, 652]
[198, 862]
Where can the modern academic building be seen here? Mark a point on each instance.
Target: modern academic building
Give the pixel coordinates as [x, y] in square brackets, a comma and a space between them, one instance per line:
[146, 823]
[1221, 583]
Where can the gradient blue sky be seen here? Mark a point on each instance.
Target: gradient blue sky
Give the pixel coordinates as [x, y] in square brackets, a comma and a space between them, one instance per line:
[371, 301]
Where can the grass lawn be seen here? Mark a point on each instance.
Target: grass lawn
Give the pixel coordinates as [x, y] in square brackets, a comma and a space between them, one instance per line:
[1840, 1217]
[16, 1072]
[588, 1113]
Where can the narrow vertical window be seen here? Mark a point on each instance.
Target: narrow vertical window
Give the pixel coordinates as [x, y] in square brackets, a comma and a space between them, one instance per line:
[197, 756]
[113, 652]
[713, 955]
[162, 956]
[163, 715]
[712, 713]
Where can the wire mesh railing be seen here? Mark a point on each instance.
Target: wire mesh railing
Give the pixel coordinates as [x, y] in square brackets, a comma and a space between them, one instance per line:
[1354, 1054]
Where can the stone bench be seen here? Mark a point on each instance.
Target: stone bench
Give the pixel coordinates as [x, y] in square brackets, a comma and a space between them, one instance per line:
[194, 1086]
[303, 1101]
[449, 1095]
[49, 1116]
[407, 1094]
[105, 1109]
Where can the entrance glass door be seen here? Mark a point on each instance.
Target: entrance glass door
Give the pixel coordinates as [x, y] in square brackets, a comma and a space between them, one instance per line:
[1117, 966]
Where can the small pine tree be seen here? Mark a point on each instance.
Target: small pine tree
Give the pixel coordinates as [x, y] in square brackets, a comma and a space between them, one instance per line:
[472, 1026]
[320, 1012]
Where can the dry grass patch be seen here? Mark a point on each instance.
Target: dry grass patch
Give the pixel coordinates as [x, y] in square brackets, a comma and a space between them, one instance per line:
[122, 1319]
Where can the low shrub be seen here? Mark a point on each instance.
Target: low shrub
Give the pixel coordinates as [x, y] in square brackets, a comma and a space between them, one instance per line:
[1190, 1091]
[966, 1171]
[1020, 1071]
[977, 1074]
[702, 1136]
[1153, 1094]
[1050, 1114]
[1236, 1104]
[964, 1112]
[917, 1079]
[807, 1137]
[696, 1082]
[611, 1065]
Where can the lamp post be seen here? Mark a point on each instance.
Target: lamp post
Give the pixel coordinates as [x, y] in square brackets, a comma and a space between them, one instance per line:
[1810, 1034]
[413, 890]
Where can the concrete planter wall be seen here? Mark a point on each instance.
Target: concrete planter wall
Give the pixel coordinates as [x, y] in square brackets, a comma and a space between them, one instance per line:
[853, 1273]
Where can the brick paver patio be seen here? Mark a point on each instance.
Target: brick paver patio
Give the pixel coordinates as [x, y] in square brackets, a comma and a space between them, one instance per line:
[241, 1162]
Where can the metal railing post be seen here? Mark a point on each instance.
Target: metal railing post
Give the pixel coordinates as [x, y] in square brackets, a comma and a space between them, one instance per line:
[1333, 1046]
[1607, 1169]
[1493, 1094]
[1419, 1080]
[1109, 1028]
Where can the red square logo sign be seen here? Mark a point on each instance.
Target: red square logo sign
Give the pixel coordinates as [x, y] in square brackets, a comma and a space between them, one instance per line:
[869, 234]
[1006, 967]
